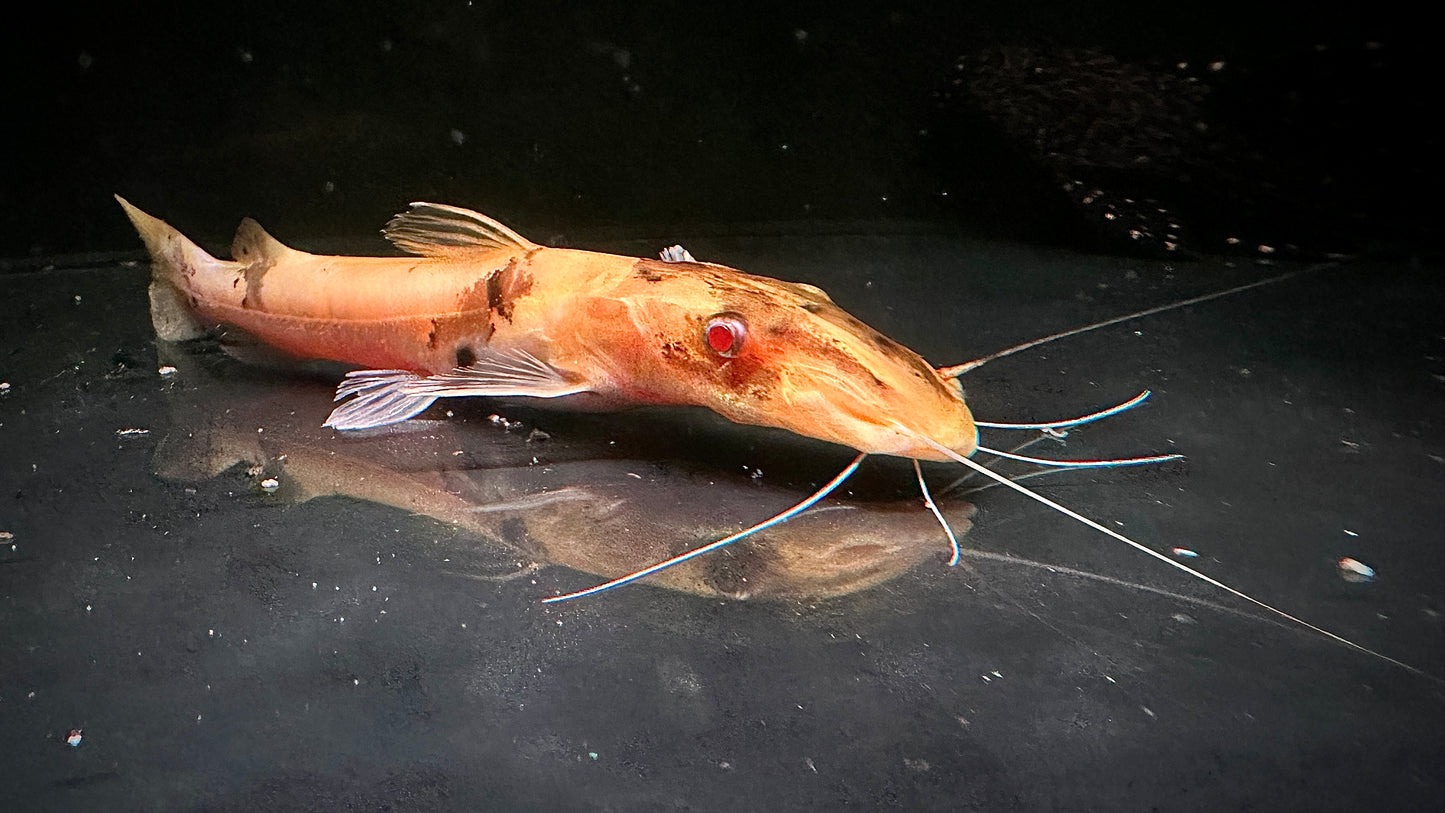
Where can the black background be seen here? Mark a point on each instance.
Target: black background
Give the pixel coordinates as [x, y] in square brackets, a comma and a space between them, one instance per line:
[320, 119]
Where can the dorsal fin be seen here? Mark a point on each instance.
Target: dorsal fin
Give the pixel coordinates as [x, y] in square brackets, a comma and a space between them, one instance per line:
[252, 243]
[436, 230]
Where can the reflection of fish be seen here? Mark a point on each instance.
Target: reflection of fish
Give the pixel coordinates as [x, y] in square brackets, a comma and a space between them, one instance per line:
[484, 311]
[586, 512]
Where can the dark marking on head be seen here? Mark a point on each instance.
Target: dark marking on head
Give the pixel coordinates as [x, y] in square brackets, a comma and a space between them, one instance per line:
[505, 286]
[466, 357]
[811, 307]
[676, 350]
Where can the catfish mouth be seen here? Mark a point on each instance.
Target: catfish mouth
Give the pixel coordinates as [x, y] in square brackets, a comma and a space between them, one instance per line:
[868, 427]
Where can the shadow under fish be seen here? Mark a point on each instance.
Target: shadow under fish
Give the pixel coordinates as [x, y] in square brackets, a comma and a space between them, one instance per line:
[576, 501]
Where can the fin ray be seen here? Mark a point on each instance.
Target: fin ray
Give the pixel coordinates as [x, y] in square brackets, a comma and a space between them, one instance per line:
[501, 373]
[438, 230]
[381, 397]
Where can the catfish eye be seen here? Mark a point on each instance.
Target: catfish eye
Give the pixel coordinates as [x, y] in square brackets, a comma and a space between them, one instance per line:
[725, 335]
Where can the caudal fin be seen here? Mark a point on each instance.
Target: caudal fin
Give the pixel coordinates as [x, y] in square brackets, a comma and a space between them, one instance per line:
[173, 260]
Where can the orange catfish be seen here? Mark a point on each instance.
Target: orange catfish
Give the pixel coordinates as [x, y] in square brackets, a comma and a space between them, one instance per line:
[477, 309]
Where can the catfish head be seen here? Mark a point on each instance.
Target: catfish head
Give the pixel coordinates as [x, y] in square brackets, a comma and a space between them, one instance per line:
[770, 353]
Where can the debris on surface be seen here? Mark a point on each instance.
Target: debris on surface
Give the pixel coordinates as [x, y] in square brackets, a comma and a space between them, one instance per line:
[270, 484]
[1355, 571]
[1185, 553]
[498, 420]
[74, 739]
[131, 432]
[166, 369]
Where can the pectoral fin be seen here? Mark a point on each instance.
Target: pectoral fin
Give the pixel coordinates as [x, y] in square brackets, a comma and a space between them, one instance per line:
[388, 396]
[381, 399]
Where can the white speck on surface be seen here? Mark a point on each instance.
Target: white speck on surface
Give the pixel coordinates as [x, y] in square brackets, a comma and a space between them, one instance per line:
[1149, 712]
[1355, 571]
[1349, 532]
[125, 433]
[166, 369]
[458, 137]
[74, 739]
[270, 484]
[1185, 553]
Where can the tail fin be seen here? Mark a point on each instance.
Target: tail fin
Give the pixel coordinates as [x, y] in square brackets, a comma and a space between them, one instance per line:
[173, 259]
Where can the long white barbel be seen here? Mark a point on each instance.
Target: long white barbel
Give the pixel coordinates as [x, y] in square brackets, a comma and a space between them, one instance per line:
[1068, 512]
[776, 519]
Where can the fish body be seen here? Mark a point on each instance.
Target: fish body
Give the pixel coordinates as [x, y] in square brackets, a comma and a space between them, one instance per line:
[480, 310]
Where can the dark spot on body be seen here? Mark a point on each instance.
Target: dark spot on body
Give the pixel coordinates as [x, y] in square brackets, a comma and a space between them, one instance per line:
[431, 337]
[647, 273]
[466, 357]
[885, 344]
[505, 286]
[811, 307]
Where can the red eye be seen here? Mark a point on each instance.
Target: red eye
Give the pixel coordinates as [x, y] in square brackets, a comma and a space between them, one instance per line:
[725, 335]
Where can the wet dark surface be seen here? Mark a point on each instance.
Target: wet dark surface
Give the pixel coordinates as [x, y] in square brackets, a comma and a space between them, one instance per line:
[194, 629]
